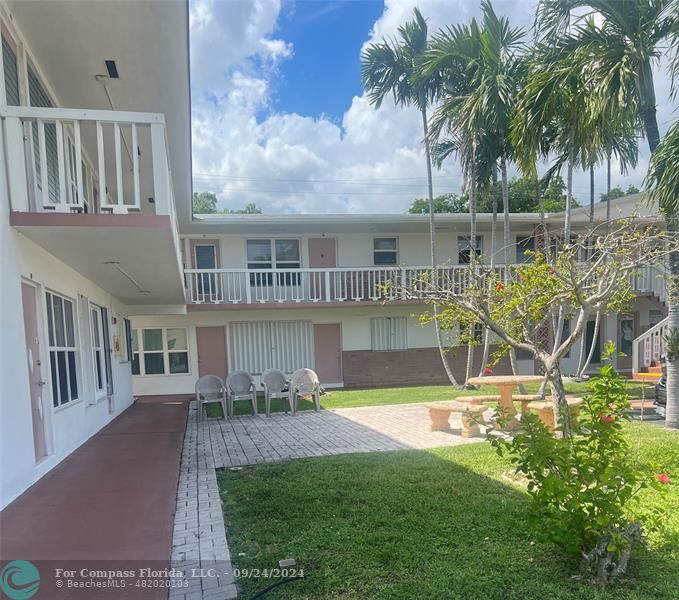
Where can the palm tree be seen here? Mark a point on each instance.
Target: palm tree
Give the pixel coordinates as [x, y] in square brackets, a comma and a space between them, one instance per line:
[390, 68]
[621, 46]
[663, 183]
[480, 71]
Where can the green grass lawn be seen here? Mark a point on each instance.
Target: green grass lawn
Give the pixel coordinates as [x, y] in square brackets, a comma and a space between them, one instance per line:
[442, 523]
[408, 395]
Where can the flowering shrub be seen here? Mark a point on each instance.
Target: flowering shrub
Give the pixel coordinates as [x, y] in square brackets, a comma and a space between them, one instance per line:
[584, 488]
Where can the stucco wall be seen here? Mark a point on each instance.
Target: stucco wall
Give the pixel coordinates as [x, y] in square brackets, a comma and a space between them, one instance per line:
[72, 424]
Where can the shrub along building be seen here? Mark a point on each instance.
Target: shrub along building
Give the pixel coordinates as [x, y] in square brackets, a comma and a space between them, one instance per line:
[111, 287]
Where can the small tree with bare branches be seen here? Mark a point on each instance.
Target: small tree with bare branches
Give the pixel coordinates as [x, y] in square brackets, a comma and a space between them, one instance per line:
[592, 273]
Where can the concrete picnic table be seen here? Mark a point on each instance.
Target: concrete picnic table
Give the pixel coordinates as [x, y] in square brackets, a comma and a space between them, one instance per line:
[506, 385]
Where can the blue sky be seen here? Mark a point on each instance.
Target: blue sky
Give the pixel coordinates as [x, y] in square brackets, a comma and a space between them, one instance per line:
[324, 73]
[279, 117]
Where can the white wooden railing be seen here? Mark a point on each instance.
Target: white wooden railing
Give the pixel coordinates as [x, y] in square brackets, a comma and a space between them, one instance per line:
[71, 160]
[649, 347]
[351, 284]
[651, 280]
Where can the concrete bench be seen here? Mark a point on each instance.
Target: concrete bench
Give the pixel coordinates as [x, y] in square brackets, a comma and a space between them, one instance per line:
[523, 398]
[472, 414]
[545, 411]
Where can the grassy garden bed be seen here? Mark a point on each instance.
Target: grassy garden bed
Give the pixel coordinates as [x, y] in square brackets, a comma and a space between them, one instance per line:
[442, 523]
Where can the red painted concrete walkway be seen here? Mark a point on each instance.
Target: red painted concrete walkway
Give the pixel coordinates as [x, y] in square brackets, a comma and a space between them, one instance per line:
[109, 505]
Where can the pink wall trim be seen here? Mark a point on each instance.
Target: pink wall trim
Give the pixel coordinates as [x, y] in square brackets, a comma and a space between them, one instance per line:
[47, 219]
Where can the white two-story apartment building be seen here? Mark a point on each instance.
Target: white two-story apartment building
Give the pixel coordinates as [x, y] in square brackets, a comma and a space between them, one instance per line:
[112, 289]
[94, 152]
[289, 291]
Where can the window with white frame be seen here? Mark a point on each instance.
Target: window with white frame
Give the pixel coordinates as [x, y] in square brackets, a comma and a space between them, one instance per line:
[388, 334]
[62, 349]
[385, 251]
[160, 351]
[98, 350]
[281, 254]
[525, 249]
[268, 254]
[464, 248]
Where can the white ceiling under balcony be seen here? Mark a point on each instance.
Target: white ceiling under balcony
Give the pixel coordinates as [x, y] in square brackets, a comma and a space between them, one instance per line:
[149, 42]
[133, 257]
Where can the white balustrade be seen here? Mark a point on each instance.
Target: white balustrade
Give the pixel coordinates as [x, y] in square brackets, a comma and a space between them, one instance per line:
[69, 160]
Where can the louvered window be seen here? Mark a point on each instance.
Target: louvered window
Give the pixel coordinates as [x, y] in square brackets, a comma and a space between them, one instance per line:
[260, 345]
[39, 97]
[9, 63]
[388, 334]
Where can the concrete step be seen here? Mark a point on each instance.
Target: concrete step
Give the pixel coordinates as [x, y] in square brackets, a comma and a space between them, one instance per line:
[647, 377]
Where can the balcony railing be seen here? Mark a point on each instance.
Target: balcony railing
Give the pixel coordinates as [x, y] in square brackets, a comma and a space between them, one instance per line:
[87, 161]
[350, 284]
[353, 284]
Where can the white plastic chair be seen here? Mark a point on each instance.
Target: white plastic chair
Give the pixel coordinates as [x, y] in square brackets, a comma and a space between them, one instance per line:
[276, 386]
[241, 387]
[304, 382]
[209, 389]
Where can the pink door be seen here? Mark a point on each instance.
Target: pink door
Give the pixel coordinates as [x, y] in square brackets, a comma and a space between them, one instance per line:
[211, 343]
[328, 352]
[322, 255]
[35, 380]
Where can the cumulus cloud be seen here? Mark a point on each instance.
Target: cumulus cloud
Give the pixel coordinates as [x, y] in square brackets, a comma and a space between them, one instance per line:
[369, 161]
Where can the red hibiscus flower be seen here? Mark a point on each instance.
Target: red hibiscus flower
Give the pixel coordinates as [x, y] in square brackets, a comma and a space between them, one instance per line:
[487, 371]
[607, 418]
[500, 287]
[663, 478]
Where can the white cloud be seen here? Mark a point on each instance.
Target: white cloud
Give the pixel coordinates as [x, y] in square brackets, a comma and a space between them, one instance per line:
[246, 152]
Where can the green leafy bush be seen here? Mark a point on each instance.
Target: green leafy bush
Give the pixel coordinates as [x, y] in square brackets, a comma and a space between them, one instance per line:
[584, 488]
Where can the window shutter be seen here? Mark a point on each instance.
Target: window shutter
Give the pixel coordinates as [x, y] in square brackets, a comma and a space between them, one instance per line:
[86, 362]
[9, 63]
[107, 350]
[39, 97]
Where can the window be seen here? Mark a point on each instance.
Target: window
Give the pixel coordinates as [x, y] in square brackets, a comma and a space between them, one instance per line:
[98, 350]
[160, 351]
[525, 247]
[565, 332]
[385, 252]
[9, 64]
[62, 349]
[464, 249]
[626, 335]
[278, 254]
[39, 97]
[388, 334]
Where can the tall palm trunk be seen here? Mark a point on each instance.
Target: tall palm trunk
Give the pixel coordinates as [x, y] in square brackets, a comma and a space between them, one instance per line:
[672, 406]
[608, 191]
[472, 258]
[506, 241]
[582, 366]
[493, 233]
[432, 251]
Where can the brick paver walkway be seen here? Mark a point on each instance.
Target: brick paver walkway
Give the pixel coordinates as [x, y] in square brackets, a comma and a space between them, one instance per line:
[199, 539]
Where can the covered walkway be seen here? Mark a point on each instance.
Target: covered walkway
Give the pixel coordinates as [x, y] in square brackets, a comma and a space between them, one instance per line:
[109, 505]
